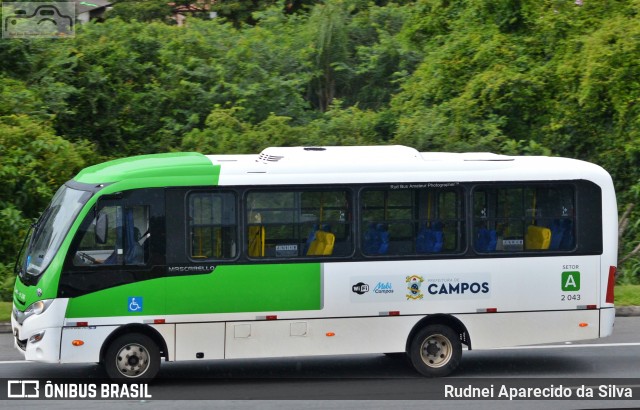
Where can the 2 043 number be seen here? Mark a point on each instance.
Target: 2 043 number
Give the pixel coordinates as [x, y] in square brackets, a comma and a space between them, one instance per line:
[569, 297]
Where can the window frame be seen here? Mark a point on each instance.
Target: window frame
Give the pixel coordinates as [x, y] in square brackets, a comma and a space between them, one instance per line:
[417, 219]
[524, 218]
[188, 225]
[298, 191]
[78, 280]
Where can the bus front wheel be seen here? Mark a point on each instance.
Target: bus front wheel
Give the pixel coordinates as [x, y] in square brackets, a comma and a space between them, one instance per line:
[435, 351]
[132, 356]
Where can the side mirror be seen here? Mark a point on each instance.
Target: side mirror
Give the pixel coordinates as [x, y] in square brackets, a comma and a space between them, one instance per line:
[101, 229]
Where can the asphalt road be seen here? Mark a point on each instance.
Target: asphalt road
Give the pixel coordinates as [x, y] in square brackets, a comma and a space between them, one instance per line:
[371, 381]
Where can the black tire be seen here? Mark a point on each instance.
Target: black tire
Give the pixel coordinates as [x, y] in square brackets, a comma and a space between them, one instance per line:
[132, 357]
[435, 351]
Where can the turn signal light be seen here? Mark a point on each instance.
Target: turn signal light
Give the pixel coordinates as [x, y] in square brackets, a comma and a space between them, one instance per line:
[583, 324]
[77, 342]
[330, 334]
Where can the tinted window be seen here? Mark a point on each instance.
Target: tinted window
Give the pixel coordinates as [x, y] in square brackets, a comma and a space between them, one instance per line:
[123, 239]
[212, 226]
[524, 218]
[296, 223]
[411, 221]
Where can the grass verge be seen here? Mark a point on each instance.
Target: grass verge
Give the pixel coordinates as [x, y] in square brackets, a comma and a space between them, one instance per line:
[5, 311]
[627, 295]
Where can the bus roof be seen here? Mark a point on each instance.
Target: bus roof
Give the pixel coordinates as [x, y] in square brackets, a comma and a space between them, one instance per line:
[388, 164]
[331, 164]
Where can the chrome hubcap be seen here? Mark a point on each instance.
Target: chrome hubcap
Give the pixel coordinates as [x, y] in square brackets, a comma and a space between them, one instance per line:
[436, 351]
[132, 360]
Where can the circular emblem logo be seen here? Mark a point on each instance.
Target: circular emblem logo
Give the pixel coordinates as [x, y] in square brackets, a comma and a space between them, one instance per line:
[413, 286]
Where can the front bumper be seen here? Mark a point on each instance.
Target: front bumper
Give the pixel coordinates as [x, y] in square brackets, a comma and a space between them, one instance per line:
[47, 348]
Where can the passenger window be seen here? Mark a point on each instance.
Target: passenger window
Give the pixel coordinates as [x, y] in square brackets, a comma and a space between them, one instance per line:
[387, 222]
[117, 235]
[292, 224]
[524, 218]
[411, 221]
[212, 225]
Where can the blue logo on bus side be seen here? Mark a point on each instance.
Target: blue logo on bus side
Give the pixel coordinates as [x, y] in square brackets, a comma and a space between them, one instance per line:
[134, 304]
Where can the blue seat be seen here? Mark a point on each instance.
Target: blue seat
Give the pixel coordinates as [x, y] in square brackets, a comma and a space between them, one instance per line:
[557, 232]
[568, 241]
[135, 251]
[486, 240]
[430, 240]
[376, 239]
[561, 234]
[384, 239]
[371, 242]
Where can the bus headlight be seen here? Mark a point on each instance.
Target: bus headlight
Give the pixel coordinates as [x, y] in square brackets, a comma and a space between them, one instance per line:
[37, 308]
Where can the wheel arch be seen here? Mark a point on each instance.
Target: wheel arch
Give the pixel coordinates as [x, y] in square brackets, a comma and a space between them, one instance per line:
[136, 328]
[441, 319]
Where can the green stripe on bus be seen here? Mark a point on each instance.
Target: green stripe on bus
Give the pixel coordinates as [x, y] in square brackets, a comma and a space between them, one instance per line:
[156, 170]
[228, 289]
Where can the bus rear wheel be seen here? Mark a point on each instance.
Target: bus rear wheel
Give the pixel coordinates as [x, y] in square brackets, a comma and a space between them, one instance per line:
[435, 351]
[131, 357]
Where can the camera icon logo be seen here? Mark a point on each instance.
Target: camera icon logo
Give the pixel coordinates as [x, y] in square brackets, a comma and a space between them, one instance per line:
[38, 20]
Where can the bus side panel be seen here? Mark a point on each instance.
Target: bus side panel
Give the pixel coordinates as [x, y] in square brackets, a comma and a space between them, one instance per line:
[492, 330]
[89, 352]
[168, 334]
[317, 337]
[459, 286]
[607, 320]
[199, 341]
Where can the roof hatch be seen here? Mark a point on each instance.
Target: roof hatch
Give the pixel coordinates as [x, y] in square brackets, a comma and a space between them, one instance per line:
[364, 154]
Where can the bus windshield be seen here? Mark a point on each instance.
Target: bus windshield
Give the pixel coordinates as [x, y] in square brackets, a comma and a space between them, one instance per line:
[49, 232]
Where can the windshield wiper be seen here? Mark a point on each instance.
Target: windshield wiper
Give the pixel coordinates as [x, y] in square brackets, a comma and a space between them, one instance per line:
[41, 221]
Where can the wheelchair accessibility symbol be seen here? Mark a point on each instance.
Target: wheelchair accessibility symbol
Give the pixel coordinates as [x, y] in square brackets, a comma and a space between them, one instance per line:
[135, 304]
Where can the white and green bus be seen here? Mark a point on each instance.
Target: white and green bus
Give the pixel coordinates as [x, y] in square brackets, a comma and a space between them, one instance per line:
[307, 251]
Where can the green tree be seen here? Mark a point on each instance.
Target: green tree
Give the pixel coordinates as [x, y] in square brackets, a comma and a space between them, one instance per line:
[143, 11]
[344, 126]
[226, 133]
[329, 23]
[34, 162]
[241, 12]
[380, 57]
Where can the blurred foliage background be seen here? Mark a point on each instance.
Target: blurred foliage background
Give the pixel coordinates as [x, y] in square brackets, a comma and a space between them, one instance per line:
[522, 77]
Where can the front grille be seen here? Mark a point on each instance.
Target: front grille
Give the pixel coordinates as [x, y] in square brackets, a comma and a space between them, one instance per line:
[22, 344]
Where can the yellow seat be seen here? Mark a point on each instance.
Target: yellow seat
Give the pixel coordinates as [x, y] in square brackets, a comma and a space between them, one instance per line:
[329, 240]
[322, 245]
[256, 240]
[538, 237]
